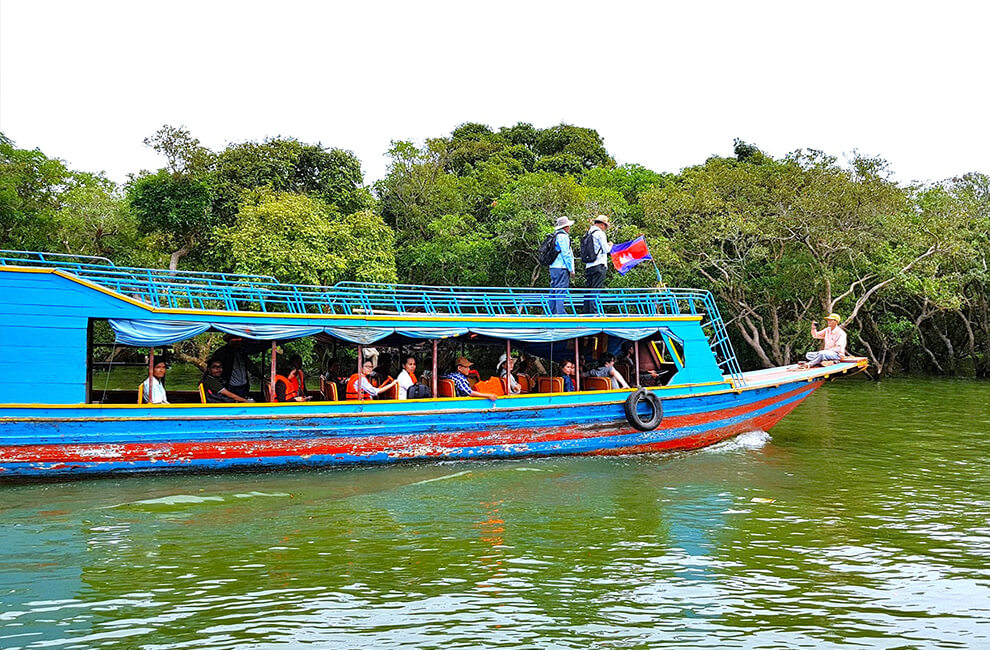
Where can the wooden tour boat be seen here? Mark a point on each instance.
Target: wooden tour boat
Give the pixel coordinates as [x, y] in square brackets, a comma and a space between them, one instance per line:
[54, 423]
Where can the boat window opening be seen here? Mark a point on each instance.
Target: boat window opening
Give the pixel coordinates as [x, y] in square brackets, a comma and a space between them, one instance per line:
[326, 363]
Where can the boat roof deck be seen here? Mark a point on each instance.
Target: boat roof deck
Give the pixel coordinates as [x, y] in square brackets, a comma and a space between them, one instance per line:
[238, 292]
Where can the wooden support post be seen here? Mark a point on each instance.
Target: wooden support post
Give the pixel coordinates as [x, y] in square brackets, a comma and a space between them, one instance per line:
[577, 364]
[508, 355]
[271, 383]
[636, 354]
[433, 376]
[151, 371]
[360, 367]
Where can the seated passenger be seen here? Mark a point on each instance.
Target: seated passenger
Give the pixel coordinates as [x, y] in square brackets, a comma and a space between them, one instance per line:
[332, 373]
[237, 365]
[427, 375]
[296, 375]
[461, 384]
[510, 381]
[157, 384]
[287, 387]
[607, 369]
[367, 390]
[333, 376]
[406, 378]
[382, 374]
[567, 370]
[834, 347]
[214, 388]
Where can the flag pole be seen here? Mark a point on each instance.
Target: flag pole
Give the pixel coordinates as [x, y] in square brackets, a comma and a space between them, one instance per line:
[657, 269]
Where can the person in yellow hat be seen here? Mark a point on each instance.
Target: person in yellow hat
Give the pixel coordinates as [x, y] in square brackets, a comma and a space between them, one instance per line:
[834, 338]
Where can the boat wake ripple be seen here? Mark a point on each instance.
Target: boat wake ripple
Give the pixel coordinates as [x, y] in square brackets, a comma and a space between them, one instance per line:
[744, 441]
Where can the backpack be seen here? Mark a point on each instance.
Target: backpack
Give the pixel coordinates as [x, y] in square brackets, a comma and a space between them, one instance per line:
[589, 249]
[419, 391]
[547, 252]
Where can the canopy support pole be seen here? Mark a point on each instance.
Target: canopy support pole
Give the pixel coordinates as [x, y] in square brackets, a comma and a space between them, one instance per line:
[636, 354]
[151, 373]
[271, 384]
[433, 375]
[360, 366]
[577, 364]
[508, 375]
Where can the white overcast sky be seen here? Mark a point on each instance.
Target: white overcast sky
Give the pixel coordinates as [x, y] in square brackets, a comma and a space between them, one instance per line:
[666, 83]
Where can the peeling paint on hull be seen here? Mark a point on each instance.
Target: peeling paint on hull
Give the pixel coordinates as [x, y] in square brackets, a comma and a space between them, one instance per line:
[66, 446]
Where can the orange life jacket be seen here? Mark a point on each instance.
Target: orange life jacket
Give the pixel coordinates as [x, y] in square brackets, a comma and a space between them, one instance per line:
[291, 390]
[352, 387]
[298, 381]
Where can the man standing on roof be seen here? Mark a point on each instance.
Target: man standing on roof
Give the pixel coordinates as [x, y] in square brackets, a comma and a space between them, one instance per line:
[835, 343]
[594, 270]
[562, 267]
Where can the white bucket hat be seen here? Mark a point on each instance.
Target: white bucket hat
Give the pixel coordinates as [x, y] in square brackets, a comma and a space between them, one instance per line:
[563, 222]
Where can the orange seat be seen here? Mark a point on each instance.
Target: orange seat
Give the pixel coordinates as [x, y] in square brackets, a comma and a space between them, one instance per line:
[627, 371]
[329, 390]
[445, 388]
[596, 383]
[524, 383]
[550, 384]
[391, 393]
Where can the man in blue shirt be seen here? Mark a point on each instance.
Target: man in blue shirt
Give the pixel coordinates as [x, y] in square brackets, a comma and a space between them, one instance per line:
[562, 268]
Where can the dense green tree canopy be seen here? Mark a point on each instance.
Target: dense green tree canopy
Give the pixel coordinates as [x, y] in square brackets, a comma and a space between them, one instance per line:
[779, 241]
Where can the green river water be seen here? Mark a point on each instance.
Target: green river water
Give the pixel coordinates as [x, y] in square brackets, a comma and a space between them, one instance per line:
[862, 520]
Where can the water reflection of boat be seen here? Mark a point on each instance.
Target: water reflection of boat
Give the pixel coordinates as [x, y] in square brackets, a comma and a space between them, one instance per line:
[51, 423]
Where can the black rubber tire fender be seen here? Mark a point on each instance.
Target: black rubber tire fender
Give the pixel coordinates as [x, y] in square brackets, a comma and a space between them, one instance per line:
[632, 410]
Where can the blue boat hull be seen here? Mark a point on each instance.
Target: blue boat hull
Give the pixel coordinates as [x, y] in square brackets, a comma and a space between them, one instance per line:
[84, 440]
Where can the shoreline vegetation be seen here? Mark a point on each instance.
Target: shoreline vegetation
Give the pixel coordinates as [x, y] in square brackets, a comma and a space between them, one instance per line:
[779, 241]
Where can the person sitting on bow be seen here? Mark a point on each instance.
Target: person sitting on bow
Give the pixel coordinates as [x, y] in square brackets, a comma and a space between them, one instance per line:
[834, 339]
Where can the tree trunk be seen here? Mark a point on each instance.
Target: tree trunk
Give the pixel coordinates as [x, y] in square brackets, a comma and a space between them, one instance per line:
[173, 264]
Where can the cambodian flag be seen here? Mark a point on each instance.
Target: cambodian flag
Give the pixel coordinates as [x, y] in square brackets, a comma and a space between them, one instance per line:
[626, 256]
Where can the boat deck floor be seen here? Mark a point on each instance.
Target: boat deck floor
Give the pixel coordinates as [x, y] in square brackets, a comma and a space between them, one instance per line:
[791, 373]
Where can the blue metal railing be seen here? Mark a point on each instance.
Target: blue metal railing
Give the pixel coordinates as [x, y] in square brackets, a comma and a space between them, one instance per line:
[234, 292]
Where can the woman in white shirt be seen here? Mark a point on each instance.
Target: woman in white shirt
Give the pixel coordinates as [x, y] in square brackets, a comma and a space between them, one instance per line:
[157, 383]
[407, 377]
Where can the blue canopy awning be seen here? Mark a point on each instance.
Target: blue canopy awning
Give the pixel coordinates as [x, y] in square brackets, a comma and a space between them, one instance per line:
[149, 333]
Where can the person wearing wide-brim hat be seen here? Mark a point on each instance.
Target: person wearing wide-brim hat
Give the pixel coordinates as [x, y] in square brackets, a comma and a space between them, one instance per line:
[562, 267]
[462, 387]
[834, 338]
[595, 270]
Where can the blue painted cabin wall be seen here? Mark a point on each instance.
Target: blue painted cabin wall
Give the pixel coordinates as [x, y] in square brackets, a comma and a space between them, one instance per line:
[44, 320]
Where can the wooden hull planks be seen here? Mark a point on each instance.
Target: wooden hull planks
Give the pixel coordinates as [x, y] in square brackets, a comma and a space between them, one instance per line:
[64, 442]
